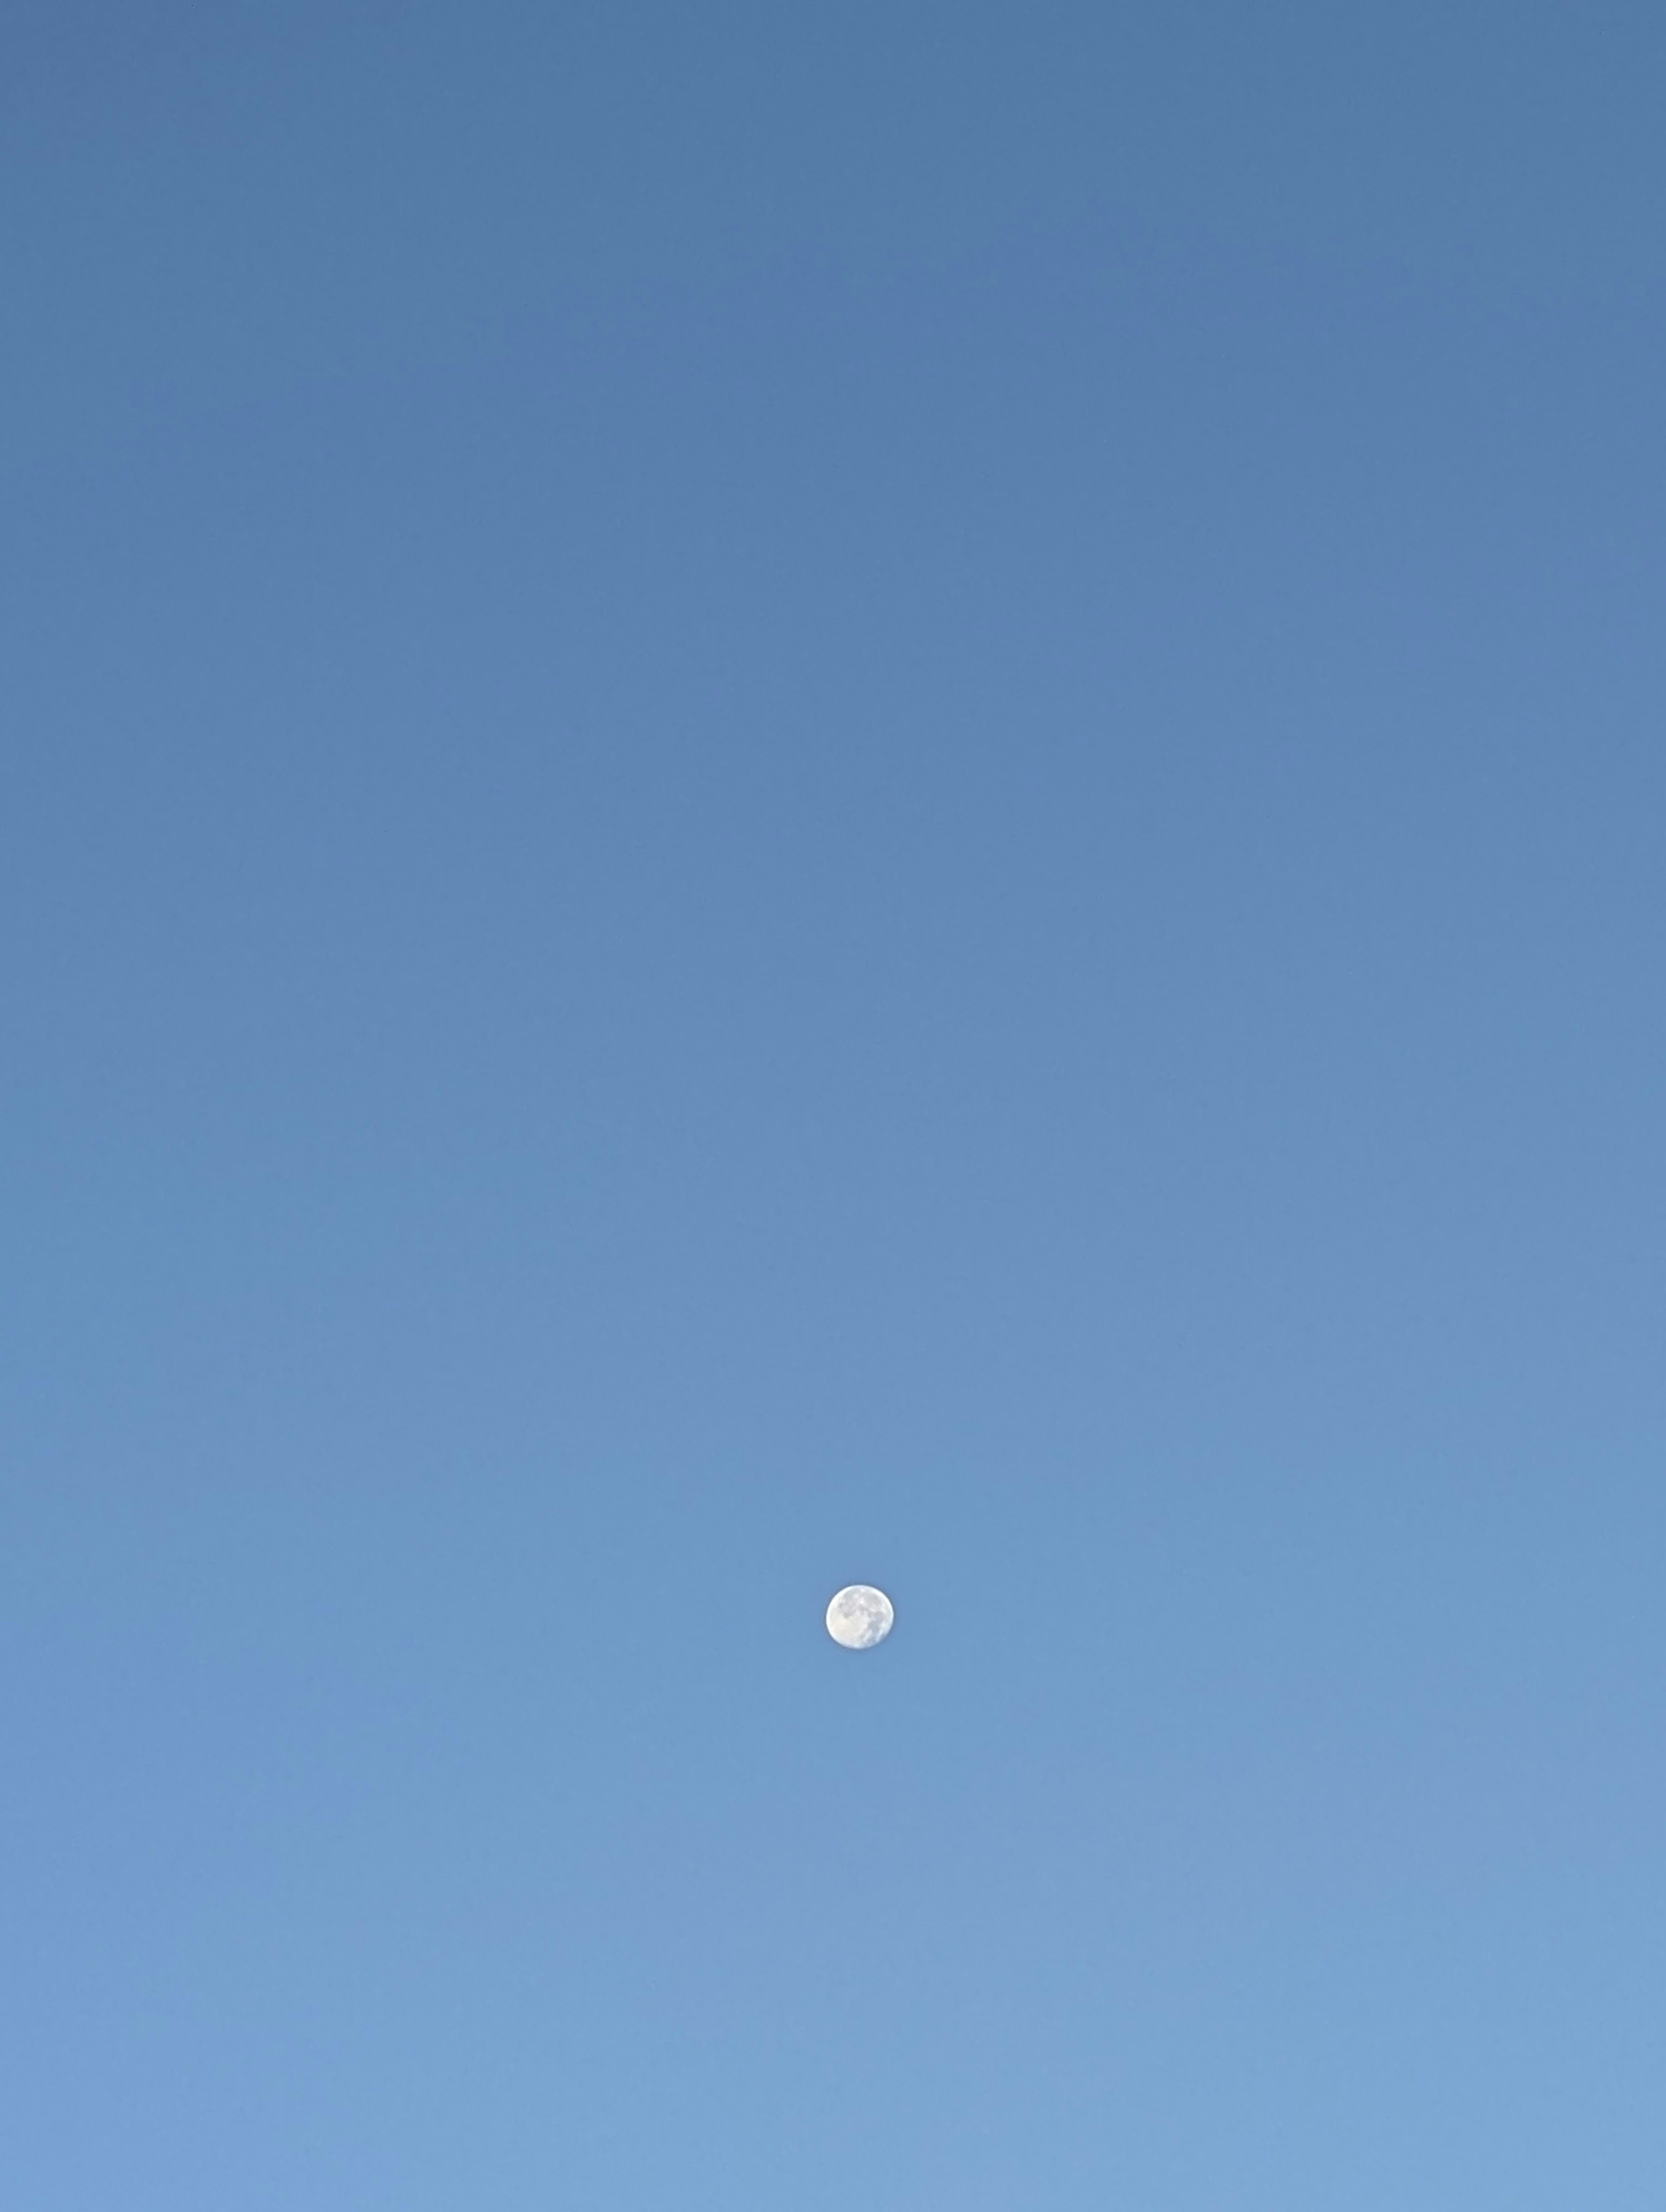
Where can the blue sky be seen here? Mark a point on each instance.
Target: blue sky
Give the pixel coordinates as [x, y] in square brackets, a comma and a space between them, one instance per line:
[791, 795]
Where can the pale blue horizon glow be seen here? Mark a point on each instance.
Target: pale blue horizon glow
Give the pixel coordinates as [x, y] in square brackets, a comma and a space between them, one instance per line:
[791, 796]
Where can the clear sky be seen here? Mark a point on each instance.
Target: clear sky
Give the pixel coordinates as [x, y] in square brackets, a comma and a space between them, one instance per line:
[826, 792]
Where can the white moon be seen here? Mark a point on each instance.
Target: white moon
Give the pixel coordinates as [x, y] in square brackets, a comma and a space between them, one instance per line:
[860, 1617]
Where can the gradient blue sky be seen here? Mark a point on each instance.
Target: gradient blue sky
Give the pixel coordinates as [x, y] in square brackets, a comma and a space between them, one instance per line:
[797, 793]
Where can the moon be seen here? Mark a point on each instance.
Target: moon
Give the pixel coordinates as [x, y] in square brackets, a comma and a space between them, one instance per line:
[860, 1616]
